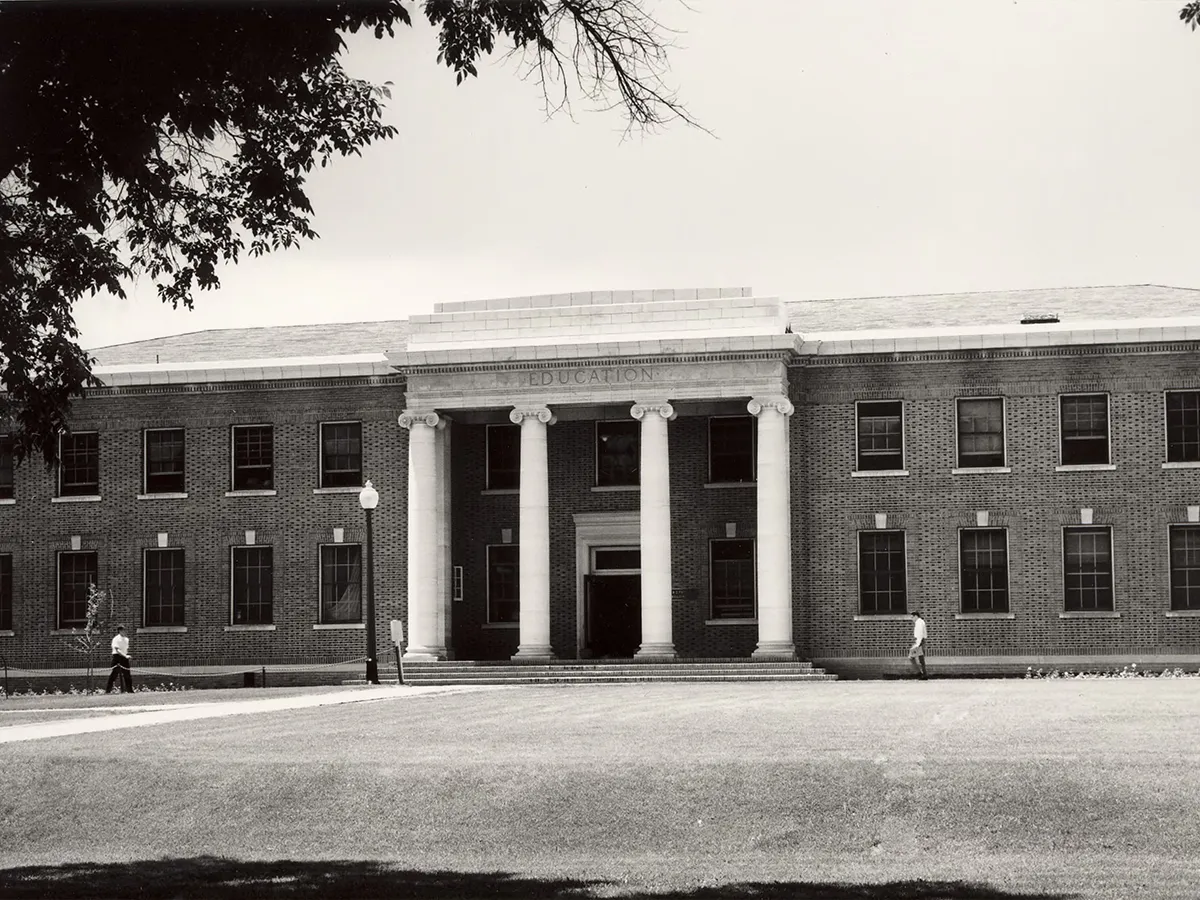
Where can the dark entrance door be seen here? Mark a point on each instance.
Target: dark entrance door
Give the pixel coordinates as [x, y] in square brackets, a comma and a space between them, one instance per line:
[614, 615]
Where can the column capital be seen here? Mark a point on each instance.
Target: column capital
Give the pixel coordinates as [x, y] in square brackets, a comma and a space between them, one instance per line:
[542, 413]
[408, 419]
[662, 407]
[777, 402]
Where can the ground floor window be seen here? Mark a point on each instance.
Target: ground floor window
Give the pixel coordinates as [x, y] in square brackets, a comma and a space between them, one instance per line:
[253, 585]
[76, 571]
[881, 573]
[1185, 567]
[732, 578]
[504, 583]
[163, 587]
[983, 570]
[1087, 569]
[6, 592]
[341, 583]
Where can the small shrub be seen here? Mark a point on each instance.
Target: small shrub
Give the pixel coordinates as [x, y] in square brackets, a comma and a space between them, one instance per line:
[1129, 671]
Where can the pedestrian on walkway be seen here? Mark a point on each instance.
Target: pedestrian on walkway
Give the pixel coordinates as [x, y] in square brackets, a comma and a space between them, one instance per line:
[120, 662]
[916, 653]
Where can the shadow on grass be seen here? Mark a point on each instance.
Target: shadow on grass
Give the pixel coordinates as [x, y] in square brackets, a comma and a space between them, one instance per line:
[212, 878]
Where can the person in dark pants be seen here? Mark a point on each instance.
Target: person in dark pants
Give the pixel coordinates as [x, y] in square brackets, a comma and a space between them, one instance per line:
[120, 662]
[916, 654]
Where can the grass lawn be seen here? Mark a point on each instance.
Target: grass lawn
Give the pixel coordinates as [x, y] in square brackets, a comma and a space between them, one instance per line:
[975, 790]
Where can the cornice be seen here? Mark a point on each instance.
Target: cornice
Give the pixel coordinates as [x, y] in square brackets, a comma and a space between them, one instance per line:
[599, 362]
[989, 353]
[227, 387]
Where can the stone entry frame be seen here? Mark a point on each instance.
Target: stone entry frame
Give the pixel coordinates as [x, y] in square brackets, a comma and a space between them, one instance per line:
[598, 529]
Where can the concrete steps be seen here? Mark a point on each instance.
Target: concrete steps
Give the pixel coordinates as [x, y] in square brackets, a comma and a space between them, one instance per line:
[616, 671]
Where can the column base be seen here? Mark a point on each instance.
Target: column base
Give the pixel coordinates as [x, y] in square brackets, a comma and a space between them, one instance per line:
[425, 654]
[534, 651]
[653, 650]
[774, 650]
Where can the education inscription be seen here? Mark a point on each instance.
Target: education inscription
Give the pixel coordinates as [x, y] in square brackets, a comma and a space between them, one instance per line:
[612, 375]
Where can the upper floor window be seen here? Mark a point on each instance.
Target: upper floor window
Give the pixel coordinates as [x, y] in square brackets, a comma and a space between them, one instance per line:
[730, 449]
[983, 570]
[504, 583]
[1185, 567]
[77, 571]
[6, 592]
[616, 453]
[980, 432]
[1083, 421]
[1087, 569]
[880, 435]
[1183, 426]
[253, 458]
[732, 566]
[882, 579]
[79, 465]
[162, 591]
[341, 583]
[253, 574]
[503, 457]
[341, 454]
[164, 461]
[7, 467]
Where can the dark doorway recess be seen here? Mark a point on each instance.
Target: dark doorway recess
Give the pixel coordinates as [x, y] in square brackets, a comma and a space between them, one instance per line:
[613, 615]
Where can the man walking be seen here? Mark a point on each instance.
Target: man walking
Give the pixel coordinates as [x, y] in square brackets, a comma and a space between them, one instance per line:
[916, 653]
[120, 662]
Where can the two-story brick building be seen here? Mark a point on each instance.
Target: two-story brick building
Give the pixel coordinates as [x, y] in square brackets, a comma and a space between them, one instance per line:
[657, 474]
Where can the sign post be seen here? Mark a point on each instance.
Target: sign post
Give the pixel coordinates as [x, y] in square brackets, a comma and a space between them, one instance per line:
[397, 641]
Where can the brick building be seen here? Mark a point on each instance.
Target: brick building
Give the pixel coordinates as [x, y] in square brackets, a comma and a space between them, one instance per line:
[659, 474]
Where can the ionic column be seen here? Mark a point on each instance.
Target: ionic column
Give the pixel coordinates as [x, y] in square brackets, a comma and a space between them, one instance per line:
[774, 541]
[654, 475]
[424, 535]
[534, 534]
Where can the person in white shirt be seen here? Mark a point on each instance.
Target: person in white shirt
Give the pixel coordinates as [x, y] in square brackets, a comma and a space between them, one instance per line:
[120, 662]
[916, 654]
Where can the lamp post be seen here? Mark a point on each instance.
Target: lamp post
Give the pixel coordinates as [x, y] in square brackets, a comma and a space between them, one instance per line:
[368, 499]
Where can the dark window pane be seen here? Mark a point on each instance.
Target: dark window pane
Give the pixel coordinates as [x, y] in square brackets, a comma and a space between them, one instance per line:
[1185, 567]
[880, 435]
[881, 572]
[1084, 430]
[732, 563]
[731, 449]
[980, 433]
[79, 467]
[341, 583]
[1087, 569]
[7, 467]
[1183, 426]
[504, 583]
[253, 458]
[253, 586]
[163, 587]
[164, 461]
[341, 454]
[984, 567]
[616, 453]
[6, 592]
[503, 457]
[75, 572]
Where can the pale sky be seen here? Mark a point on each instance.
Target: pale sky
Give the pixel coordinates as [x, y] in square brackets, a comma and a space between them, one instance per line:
[861, 149]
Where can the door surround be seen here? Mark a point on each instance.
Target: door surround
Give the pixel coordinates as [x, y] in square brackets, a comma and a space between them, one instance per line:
[598, 529]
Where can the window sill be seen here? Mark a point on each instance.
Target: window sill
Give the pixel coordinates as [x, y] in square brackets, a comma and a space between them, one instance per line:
[1181, 465]
[7, 501]
[731, 484]
[610, 488]
[1183, 614]
[81, 498]
[882, 473]
[884, 617]
[333, 490]
[249, 627]
[967, 617]
[340, 626]
[270, 493]
[499, 492]
[1090, 467]
[1098, 614]
[66, 631]
[165, 495]
[982, 470]
[162, 629]
[499, 626]
[731, 621]
[7, 632]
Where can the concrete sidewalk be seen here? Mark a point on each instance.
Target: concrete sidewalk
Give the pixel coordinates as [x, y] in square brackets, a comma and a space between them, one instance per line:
[134, 716]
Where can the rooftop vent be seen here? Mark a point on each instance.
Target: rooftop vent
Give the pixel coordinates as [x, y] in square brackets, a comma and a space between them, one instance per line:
[1039, 318]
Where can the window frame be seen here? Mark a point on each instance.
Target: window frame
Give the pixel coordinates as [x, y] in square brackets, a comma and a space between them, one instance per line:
[182, 588]
[1171, 531]
[8, 467]
[959, 462]
[516, 549]
[859, 571]
[233, 568]
[489, 485]
[712, 606]
[322, 472]
[321, 618]
[858, 452]
[1112, 581]
[1167, 427]
[962, 592]
[7, 591]
[61, 623]
[752, 450]
[637, 433]
[93, 487]
[1062, 438]
[233, 458]
[146, 489]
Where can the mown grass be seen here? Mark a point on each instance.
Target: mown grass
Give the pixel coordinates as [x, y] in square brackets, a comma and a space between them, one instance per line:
[895, 789]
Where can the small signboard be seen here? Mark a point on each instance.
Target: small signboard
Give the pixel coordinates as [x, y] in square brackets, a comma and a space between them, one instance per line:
[397, 632]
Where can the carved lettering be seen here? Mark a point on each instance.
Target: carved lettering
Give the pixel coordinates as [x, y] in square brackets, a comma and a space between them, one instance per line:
[628, 375]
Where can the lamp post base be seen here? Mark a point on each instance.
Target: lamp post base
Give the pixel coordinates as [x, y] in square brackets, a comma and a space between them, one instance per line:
[372, 672]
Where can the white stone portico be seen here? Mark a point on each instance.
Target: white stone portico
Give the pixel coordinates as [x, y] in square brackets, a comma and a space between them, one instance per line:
[538, 360]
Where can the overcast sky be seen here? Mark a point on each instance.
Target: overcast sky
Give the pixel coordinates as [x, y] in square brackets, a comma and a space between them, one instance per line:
[861, 149]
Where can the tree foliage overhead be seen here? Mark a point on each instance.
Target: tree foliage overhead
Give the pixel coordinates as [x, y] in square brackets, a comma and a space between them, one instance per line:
[170, 138]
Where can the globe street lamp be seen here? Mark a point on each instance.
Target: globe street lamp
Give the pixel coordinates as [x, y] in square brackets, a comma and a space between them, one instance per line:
[368, 499]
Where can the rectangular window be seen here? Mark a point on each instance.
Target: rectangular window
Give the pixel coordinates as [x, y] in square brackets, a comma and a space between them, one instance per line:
[881, 573]
[7, 467]
[75, 572]
[983, 570]
[253, 585]
[164, 461]
[730, 449]
[341, 454]
[1183, 426]
[504, 583]
[732, 568]
[79, 465]
[6, 592]
[880, 435]
[341, 583]
[980, 432]
[163, 588]
[1087, 570]
[253, 458]
[616, 453]
[1084, 422]
[1185, 567]
[503, 457]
